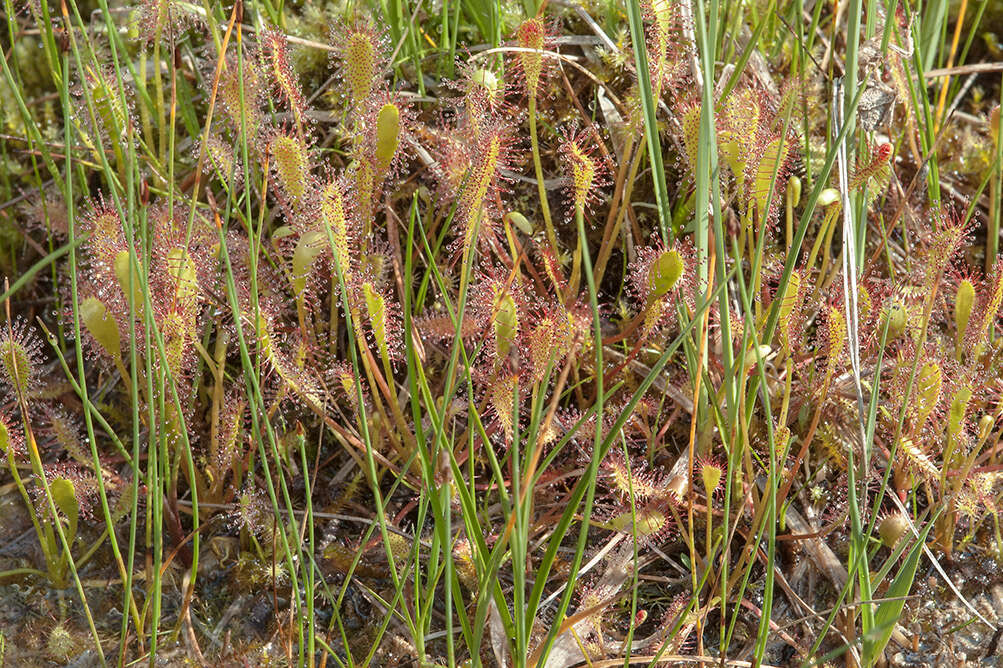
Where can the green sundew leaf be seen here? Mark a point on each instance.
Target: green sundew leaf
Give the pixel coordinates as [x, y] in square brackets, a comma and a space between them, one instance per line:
[101, 325]
[836, 338]
[376, 307]
[65, 498]
[290, 160]
[332, 210]
[964, 301]
[790, 301]
[739, 121]
[864, 303]
[182, 271]
[690, 121]
[359, 65]
[122, 264]
[772, 162]
[108, 104]
[649, 521]
[176, 336]
[664, 274]
[959, 406]
[928, 384]
[308, 249]
[4, 438]
[387, 135]
[506, 326]
[16, 362]
[895, 315]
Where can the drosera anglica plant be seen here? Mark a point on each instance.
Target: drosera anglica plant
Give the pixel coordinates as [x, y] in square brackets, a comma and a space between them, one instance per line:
[327, 309]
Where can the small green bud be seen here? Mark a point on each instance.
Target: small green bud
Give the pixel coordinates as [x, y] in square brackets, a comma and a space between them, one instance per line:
[308, 249]
[750, 355]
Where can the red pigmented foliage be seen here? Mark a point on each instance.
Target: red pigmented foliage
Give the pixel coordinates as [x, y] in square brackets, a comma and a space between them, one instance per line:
[481, 95]
[483, 183]
[221, 161]
[63, 432]
[554, 333]
[165, 20]
[11, 428]
[624, 478]
[240, 93]
[529, 64]
[945, 240]
[285, 84]
[667, 47]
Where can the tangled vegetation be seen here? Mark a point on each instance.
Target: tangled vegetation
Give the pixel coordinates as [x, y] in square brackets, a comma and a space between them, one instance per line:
[542, 334]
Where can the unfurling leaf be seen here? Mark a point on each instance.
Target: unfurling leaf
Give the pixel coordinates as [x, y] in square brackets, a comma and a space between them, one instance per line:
[664, 274]
[101, 325]
[387, 136]
[65, 498]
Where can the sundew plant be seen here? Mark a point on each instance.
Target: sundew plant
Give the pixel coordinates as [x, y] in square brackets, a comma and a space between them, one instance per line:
[475, 332]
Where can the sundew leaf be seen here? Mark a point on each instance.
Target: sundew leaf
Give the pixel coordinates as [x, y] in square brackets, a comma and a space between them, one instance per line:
[308, 249]
[739, 123]
[122, 272]
[506, 325]
[182, 272]
[291, 166]
[65, 498]
[690, 122]
[928, 384]
[664, 274]
[387, 135]
[101, 326]
[770, 166]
